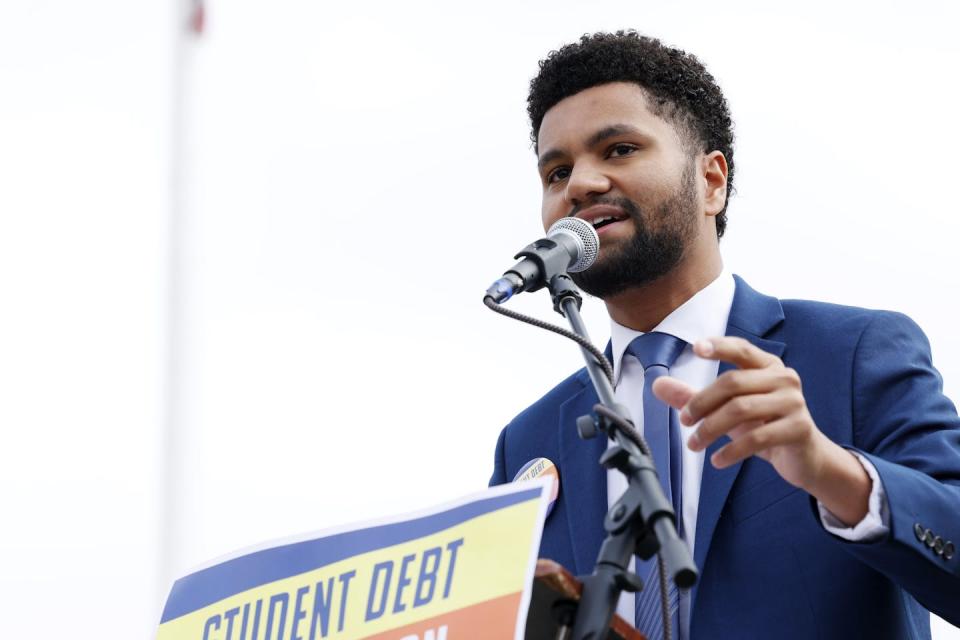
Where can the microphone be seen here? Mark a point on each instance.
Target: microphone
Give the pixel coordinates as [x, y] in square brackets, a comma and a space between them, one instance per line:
[571, 245]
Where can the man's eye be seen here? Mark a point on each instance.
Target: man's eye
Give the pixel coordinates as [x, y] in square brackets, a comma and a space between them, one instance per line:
[620, 150]
[560, 173]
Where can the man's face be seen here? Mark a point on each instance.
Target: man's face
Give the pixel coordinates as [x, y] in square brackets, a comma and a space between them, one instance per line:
[604, 157]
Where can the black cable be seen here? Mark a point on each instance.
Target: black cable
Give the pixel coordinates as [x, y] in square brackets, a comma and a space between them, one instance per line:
[580, 340]
[664, 599]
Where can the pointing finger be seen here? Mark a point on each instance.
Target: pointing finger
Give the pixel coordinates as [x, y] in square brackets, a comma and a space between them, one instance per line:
[735, 351]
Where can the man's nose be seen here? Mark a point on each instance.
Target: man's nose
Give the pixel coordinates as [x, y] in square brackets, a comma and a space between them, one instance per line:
[585, 184]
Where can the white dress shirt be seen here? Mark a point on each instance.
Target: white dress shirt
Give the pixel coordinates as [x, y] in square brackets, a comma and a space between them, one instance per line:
[704, 315]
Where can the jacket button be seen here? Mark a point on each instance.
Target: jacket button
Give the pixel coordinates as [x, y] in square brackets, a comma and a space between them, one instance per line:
[938, 546]
[918, 531]
[928, 538]
[948, 550]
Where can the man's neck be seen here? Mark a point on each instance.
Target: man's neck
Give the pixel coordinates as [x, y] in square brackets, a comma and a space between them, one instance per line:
[643, 308]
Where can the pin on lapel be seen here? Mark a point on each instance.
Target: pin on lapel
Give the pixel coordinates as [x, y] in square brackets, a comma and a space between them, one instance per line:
[541, 468]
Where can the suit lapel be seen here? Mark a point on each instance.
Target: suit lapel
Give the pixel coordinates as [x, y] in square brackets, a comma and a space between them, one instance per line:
[583, 480]
[752, 316]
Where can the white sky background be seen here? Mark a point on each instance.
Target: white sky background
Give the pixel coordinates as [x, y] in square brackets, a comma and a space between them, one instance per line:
[348, 181]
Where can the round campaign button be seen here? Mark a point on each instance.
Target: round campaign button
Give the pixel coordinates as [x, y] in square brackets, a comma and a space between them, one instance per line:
[541, 468]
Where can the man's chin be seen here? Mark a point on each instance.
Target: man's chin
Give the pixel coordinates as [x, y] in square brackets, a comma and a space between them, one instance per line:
[618, 271]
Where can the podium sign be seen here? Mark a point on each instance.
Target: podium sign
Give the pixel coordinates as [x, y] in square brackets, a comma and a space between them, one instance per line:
[463, 570]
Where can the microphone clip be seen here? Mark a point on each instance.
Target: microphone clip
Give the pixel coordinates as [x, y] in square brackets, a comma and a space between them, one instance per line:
[562, 288]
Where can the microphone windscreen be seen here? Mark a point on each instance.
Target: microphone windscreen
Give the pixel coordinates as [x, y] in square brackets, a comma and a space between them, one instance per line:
[587, 236]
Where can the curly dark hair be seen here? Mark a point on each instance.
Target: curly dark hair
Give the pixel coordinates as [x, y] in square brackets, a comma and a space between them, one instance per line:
[680, 87]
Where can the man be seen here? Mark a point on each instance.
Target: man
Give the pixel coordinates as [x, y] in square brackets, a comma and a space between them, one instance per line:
[816, 473]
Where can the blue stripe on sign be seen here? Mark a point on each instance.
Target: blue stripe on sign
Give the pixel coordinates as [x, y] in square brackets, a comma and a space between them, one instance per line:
[221, 581]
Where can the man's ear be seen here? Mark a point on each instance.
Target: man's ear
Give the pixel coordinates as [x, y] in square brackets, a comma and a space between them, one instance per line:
[713, 173]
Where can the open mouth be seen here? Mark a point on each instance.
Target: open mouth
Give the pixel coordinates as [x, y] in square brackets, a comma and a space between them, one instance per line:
[602, 216]
[600, 223]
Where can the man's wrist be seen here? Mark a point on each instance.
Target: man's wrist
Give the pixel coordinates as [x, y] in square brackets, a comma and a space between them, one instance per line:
[876, 524]
[841, 484]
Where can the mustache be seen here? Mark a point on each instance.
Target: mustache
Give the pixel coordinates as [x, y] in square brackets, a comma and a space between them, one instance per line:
[629, 207]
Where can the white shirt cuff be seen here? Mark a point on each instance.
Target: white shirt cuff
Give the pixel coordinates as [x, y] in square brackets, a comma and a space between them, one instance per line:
[875, 524]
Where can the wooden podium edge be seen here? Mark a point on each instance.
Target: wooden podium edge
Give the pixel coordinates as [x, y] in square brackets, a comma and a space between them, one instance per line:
[551, 575]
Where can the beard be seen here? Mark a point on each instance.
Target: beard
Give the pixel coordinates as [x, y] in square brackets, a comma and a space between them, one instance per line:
[659, 242]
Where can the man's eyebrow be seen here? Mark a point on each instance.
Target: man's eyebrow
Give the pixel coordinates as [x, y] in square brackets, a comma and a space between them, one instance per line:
[611, 132]
[603, 134]
[548, 157]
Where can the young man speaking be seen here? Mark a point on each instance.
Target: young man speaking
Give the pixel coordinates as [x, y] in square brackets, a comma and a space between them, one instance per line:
[811, 456]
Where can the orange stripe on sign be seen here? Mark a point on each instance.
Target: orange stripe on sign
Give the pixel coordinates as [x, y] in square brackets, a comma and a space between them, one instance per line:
[494, 619]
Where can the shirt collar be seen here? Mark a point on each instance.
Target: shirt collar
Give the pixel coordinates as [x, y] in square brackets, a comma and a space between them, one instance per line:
[702, 316]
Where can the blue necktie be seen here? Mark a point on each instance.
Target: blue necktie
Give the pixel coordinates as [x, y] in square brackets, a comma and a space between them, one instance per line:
[657, 353]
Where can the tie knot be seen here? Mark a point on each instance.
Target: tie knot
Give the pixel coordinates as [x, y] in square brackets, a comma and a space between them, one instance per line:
[655, 348]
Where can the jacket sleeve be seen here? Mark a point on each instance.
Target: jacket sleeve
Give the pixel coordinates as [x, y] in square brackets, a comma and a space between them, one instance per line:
[910, 432]
[499, 461]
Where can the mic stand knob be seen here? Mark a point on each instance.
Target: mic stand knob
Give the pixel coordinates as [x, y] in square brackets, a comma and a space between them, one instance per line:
[587, 427]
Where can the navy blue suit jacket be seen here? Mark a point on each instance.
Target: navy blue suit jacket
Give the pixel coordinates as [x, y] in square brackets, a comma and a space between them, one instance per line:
[768, 567]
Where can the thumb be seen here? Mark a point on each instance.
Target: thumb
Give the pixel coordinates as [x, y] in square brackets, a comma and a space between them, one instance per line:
[673, 392]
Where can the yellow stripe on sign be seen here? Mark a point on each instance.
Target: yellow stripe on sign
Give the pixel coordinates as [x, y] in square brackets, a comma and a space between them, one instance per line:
[480, 559]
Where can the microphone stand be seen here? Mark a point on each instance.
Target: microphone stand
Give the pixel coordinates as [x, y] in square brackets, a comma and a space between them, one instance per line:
[642, 521]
